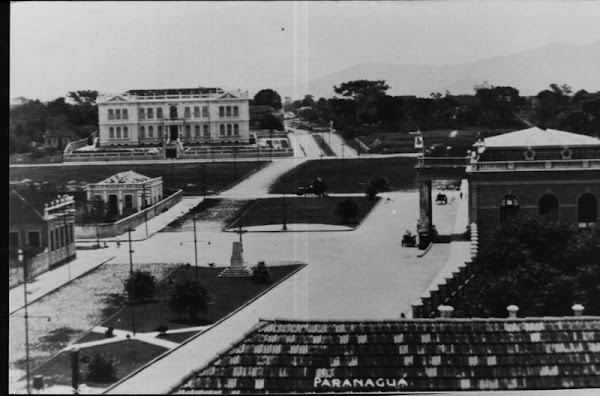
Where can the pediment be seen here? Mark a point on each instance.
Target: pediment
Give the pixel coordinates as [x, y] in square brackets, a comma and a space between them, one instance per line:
[228, 96]
[117, 98]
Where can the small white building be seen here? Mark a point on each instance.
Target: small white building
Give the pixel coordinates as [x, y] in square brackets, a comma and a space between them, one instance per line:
[127, 192]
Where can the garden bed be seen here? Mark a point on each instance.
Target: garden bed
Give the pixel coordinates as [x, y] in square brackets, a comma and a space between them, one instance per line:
[177, 337]
[350, 175]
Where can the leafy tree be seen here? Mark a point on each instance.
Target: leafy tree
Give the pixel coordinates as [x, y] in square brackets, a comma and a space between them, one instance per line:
[84, 97]
[267, 97]
[362, 90]
[381, 183]
[189, 297]
[140, 285]
[348, 209]
[371, 192]
[308, 101]
[541, 265]
[270, 121]
[261, 274]
[102, 368]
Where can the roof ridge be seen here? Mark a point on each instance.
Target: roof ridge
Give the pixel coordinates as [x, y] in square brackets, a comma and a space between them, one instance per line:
[26, 202]
[428, 320]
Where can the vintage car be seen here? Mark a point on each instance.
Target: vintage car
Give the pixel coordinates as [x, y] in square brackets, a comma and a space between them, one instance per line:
[441, 199]
[409, 239]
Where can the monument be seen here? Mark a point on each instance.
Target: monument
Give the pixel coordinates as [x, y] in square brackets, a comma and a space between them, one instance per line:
[237, 267]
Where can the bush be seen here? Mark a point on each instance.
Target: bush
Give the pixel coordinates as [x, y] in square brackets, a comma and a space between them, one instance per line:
[371, 192]
[140, 285]
[261, 274]
[190, 297]
[348, 209]
[102, 368]
[381, 183]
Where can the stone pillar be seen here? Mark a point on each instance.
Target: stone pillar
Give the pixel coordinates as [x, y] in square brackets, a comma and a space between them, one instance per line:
[425, 208]
[472, 203]
[120, 201]
[237, 257]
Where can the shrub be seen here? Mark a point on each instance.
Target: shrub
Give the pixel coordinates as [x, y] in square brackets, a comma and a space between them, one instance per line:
[261, 274]
[140, 285]
[381, 183]
[189, 297]
[102, 368]
[371, 192]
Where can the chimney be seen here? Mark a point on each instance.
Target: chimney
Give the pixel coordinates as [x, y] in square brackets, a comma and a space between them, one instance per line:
[512, 311]
[577, 309]
[445, 311]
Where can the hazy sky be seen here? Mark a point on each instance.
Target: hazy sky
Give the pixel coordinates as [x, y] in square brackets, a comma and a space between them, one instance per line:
[58, 47]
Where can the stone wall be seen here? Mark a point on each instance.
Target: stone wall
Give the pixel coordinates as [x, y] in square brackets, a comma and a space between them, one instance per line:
[107, 230]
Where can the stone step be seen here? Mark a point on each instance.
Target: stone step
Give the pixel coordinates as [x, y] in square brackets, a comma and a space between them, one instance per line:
[236, 272]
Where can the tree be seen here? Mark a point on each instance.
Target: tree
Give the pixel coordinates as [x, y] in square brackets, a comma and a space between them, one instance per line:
[362, 90]
[101, 368]
[539, 264]
[190, 297]
[381, 183]
[261, 274]
[348, 209]
[270, 121]
[84, 97]
[140, 285]
[267, 97]
[371, 192]
[308, 101]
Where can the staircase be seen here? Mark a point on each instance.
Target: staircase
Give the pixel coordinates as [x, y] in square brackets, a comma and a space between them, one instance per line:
[236, 272]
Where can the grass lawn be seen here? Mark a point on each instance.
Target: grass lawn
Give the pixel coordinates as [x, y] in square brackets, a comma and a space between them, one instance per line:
[302, 210]
[210, 209]
[177, 337]
[229, 294]
[89, 337]
[129, 356]
[350, 175]
[188, 176]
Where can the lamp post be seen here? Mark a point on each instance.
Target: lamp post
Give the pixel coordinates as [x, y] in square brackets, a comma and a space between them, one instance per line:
[235, 151]
[271, 146]
[68, 239]
[203, 180]
[195, 246]
[144, 207]
[283, 205]
[343, 174]
[21, 258]
[131, 273]
[172, 173]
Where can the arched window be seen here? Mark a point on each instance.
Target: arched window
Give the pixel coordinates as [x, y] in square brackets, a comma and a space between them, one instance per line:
[160, 131]
[118, 132]
[548, 206]
[228, 129]
[587, 210]
[206, 131]
[188, 131]
[197, 130]
[125, 132]
[173, 111]
[236, 129]
[509, 208]
[151, 131]
[222, 130]
[142, 132]
[111, 133]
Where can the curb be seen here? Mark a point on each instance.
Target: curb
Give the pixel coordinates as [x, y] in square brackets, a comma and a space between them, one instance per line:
[428, 248]
[64, 284]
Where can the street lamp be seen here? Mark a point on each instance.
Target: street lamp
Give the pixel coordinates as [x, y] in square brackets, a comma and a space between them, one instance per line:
[131, 273]
[21, 259]
[271, 146]
[283, 205]
[144, 207]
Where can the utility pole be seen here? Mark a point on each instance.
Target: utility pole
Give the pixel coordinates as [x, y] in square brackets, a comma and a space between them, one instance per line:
[240, 232]
[195, 246]
[67, 242]
[203, 180]
[144, 206]
[283, 204]
[172, 173]
[21, 258]
[235, 150]
[131, 273]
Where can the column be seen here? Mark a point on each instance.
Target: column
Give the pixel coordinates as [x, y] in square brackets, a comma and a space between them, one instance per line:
[425, 208]
[472, 203]
[120, 202]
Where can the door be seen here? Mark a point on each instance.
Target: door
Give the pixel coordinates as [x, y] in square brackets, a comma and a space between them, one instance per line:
[113, 206]
[173, 132]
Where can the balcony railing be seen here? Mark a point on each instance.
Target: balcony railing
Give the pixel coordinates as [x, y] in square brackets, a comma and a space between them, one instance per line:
[535, 165]
[442, 162]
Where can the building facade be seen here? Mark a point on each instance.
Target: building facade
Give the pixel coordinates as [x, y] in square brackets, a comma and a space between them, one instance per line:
[535, 171]
[127, 192]
[182, 116]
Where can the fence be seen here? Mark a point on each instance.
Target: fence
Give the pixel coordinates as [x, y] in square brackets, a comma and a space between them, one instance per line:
[450, 292]
[106, 230]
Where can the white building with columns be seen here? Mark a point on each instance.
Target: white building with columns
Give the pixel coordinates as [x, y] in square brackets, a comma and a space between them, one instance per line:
[167, 116]
[127, 192]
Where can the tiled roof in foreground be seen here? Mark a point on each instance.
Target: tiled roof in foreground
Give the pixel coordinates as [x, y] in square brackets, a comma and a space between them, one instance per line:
[408, 355]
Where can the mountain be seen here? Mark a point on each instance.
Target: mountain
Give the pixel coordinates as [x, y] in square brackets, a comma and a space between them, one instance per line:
[529, 71]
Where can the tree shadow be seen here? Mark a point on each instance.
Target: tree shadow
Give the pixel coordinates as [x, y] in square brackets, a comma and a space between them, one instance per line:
[192, 322]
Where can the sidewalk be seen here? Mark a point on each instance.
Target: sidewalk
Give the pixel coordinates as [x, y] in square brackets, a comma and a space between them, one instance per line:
[56, 278]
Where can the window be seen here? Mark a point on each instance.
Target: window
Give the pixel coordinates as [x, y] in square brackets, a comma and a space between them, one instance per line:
[173, 111]
[142, 132]
[128, 201]
[159, 113]
[228, 129]
[236, 129]
[125, 133]
[118, 114]
[228, 111]
[151, 132]
[221, 111]
[196, 111]
[206, 131]
[587, 210]
[125, 114]
[13, 239]
[236, 111]
[52, 240]
[188, 131]
[118, 132]
[160, 131]
[150, 113]
[509, 208]
[33, 239]
[197, 130]
[186, 112]
[111, 133]
[222, 130]
[111, 114]
[142, 114]
[205, 111]
[548, 206]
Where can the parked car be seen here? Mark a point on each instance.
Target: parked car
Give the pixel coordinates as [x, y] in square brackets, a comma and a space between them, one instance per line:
[441, 199]
[409, 240]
